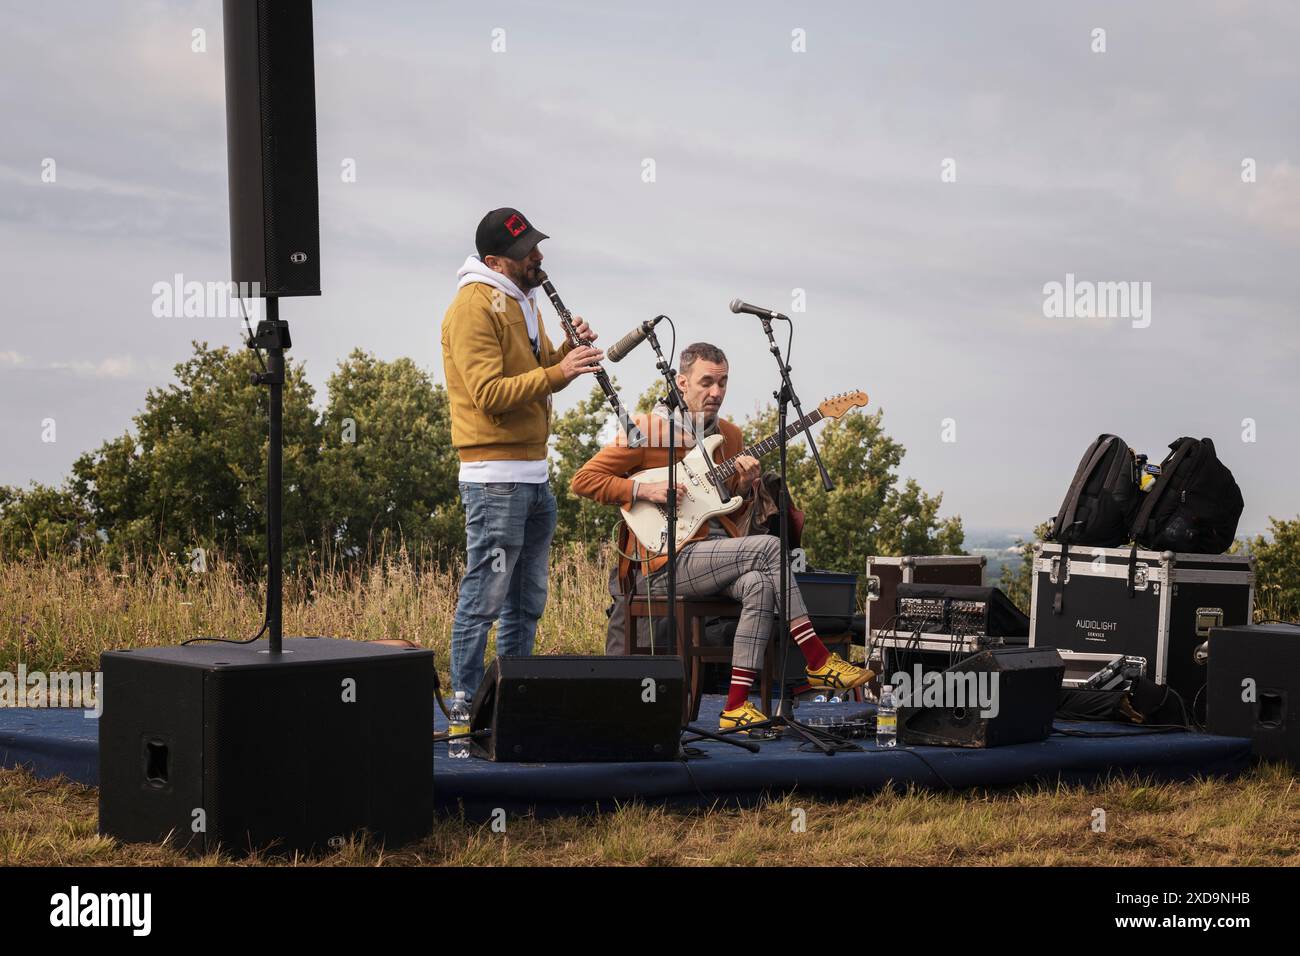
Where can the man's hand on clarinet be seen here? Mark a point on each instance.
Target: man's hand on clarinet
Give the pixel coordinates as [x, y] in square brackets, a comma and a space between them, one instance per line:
[580, 360]
[583, 330]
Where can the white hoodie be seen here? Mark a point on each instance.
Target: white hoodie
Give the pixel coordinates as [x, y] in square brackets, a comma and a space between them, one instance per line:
[474, 270]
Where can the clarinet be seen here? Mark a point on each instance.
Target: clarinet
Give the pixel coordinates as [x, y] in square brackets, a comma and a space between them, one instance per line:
[634, 437]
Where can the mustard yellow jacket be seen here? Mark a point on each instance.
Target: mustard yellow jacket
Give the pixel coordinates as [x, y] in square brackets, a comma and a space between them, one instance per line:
[500, 392]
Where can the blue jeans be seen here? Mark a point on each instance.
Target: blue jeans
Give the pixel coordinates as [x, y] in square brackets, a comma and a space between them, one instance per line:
[508, 527]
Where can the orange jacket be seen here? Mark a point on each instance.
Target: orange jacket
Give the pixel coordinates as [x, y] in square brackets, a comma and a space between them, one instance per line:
[606, 478]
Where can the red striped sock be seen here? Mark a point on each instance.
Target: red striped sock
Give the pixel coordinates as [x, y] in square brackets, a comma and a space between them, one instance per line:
[814, 651]
[742, 681]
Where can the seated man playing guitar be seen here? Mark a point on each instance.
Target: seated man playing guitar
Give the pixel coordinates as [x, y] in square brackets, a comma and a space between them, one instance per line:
[722, 556]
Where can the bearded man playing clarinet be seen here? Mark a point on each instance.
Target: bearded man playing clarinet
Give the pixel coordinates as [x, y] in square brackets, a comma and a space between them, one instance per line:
[501, 370]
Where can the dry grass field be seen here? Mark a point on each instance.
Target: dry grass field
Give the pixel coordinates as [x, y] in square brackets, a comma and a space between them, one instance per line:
[59, 615]
[1251, 821]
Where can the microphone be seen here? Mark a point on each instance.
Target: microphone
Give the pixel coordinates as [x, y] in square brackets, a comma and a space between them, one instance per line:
[738, 306]
[630, 341]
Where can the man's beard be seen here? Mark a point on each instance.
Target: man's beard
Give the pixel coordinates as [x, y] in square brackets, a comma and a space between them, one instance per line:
[527, 278]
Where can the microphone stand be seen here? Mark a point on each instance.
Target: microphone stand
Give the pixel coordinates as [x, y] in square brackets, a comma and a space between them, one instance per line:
[674, 400]
[827, 743]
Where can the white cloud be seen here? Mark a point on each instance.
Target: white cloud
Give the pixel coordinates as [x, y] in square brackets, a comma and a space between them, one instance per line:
[123, 366]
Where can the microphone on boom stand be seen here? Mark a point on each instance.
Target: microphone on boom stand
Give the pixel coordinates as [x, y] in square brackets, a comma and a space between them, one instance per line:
[826, 743]
[771, 314]
[634, 338]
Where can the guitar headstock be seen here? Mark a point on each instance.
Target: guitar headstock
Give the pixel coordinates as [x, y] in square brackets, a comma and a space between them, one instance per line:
[837, 405]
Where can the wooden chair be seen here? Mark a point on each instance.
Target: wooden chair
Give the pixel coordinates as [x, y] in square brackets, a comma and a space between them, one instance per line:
[691, 614]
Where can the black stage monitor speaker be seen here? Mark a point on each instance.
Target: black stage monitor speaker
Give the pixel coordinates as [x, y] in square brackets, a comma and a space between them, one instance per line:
[1025, 685]
[583, 709]
[1253, 687]
[225, 745]
[271, 146]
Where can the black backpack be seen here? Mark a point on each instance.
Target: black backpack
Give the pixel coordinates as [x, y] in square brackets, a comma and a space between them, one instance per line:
[1098, 508]
[1194, 505]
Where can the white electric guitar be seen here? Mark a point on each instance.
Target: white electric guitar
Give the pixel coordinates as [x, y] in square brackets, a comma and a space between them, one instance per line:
[648, 521]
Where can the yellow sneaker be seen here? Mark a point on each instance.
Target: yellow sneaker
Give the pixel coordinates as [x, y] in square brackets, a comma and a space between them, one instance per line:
[839, 674]
[743, 716]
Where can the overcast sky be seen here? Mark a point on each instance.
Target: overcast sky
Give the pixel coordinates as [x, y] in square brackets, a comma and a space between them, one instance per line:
[774, 170]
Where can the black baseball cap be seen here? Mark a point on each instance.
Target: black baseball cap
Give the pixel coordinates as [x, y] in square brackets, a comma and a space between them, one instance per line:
[505, 232]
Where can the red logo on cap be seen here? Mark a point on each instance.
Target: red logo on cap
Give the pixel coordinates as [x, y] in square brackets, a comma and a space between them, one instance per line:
[516, 225]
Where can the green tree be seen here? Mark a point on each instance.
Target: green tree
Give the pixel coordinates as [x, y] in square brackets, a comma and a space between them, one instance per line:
[194, 474]
[387, 467]
[577, 435]
[41, 520]
[647, 400]
[868, 511]
[1277, 570]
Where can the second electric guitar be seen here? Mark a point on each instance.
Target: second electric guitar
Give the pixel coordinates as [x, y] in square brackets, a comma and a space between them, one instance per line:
[648, 521]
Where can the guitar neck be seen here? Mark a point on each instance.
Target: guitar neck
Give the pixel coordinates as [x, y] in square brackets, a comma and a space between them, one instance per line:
[757, 450]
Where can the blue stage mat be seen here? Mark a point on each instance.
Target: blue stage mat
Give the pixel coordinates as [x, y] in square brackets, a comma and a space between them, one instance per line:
[56, 742]
[51, 742]
[731, 775]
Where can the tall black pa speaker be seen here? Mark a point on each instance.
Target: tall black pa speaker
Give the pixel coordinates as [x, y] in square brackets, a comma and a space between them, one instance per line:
[1253, 687]
[271, 146]
[228, 745]
[1024, 685]
[572, 708]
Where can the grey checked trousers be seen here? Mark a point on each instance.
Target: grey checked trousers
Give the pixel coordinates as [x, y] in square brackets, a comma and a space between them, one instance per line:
[747, 569]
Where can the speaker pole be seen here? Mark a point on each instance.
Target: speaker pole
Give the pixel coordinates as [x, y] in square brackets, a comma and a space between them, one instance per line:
[273, 335]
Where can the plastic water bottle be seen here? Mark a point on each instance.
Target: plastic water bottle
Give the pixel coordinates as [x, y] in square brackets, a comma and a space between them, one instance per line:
[459, 725]
[887, 718]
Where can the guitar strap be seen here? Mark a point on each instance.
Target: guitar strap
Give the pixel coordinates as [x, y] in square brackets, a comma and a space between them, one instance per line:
[686, 428]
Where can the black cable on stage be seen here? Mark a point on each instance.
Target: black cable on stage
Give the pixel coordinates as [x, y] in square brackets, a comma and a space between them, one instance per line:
[437, 694]
[934, 770]
[1199, 725]
[1181, 706]
[229, 640]
[689, 773]
[469, 735]
[1144, 730]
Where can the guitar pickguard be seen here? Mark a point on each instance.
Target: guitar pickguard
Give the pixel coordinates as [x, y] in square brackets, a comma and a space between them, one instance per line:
[698, 503]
